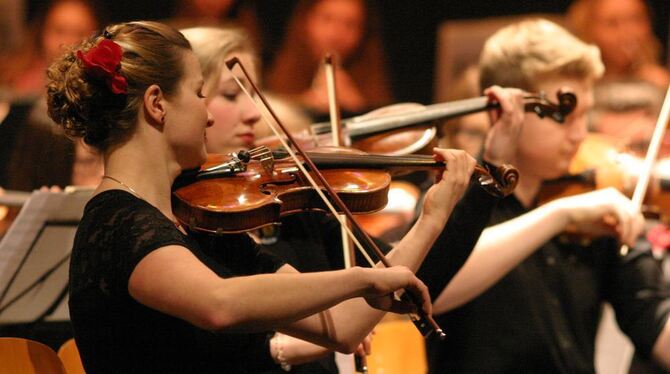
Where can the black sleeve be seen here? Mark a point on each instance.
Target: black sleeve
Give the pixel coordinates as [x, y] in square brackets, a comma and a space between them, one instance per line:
[116, 232]
[266, 261]
[145, 231]
[455, 243]
[634, 286]
[233, 255]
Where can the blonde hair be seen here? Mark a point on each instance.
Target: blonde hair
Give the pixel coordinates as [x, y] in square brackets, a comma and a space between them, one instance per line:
[211, 46]
[85, 107]
[519, 54]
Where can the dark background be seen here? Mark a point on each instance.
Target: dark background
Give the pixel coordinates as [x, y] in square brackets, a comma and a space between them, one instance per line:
[408, 28]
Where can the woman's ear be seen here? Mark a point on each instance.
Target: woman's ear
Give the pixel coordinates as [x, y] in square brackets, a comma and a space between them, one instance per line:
[154, 105]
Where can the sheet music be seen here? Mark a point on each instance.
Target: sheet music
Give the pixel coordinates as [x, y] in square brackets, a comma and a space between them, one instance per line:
[14, 198]
[47, 223]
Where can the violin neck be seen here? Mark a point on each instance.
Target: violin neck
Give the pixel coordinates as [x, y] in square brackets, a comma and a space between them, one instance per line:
[366, 161]
[362, 126]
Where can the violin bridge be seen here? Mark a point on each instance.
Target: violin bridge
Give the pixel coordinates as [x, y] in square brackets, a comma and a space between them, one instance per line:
[264, 156]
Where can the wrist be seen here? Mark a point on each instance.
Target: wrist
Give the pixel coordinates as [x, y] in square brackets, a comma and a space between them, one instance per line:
[559, 214]
[360, 279]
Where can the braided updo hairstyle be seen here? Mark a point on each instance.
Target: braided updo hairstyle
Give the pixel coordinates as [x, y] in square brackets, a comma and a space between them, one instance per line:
[86, 107]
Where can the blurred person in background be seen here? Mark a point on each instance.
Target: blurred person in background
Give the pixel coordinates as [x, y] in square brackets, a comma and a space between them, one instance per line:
[349, 29]
[237, 13]
[61, 23]
[622, 29]
[11, 25]
[626, 110]
[34, 152]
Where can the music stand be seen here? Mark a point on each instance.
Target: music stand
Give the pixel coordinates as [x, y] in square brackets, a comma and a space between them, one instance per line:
[34, 257]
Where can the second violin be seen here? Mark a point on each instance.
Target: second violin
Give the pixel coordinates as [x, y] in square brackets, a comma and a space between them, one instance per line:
[600, 163]
[388, 132]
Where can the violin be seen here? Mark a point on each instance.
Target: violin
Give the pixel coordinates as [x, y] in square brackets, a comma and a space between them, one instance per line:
[406, 133]
[248, 190]
[602, 162]
[317, 182]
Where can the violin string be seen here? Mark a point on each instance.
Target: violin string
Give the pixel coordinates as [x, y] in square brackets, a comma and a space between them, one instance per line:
[383, 159]
[382, 162]
[304, 171]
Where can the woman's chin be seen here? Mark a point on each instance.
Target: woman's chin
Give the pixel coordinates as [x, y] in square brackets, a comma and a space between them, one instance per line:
[195, 162]
[556, 172]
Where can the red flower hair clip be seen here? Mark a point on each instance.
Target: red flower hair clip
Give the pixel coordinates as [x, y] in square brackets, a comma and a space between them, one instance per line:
[104, 61]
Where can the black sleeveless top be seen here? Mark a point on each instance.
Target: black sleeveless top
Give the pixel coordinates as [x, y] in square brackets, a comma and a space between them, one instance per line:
[115, 333]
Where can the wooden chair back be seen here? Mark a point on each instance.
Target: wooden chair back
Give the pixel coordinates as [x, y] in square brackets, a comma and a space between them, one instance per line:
[69, 355]
[18, 355]
[397, 348]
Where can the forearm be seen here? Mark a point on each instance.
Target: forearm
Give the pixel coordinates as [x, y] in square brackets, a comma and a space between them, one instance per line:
[499, 249]
[340, 328]
[414, 246]
[345, 325]
[267, 302]
[173, 281]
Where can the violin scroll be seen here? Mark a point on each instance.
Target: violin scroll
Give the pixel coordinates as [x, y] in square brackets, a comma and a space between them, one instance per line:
[498, 181]
[543, 107]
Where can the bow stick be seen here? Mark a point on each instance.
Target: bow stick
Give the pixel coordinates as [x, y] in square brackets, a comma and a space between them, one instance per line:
[424, 319]
[648, 164]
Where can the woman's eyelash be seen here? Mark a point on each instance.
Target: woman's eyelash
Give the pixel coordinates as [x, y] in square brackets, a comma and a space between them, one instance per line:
[229, 96]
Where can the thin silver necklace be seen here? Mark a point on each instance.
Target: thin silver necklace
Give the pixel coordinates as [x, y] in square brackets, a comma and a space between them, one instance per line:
[137, 195]
[124, 185]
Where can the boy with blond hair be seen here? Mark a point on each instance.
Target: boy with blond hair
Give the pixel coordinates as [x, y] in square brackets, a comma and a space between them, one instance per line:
[527, 301]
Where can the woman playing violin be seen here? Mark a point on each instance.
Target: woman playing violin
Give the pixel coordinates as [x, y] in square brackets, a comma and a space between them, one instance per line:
[311, 241]
[526, 301]
[145, 296]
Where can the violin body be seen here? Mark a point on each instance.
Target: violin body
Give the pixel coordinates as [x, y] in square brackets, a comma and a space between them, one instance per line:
[602, 162]
[230, 194]
[257, 197]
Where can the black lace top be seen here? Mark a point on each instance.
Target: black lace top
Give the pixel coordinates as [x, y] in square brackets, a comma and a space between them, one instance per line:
[115, 333]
